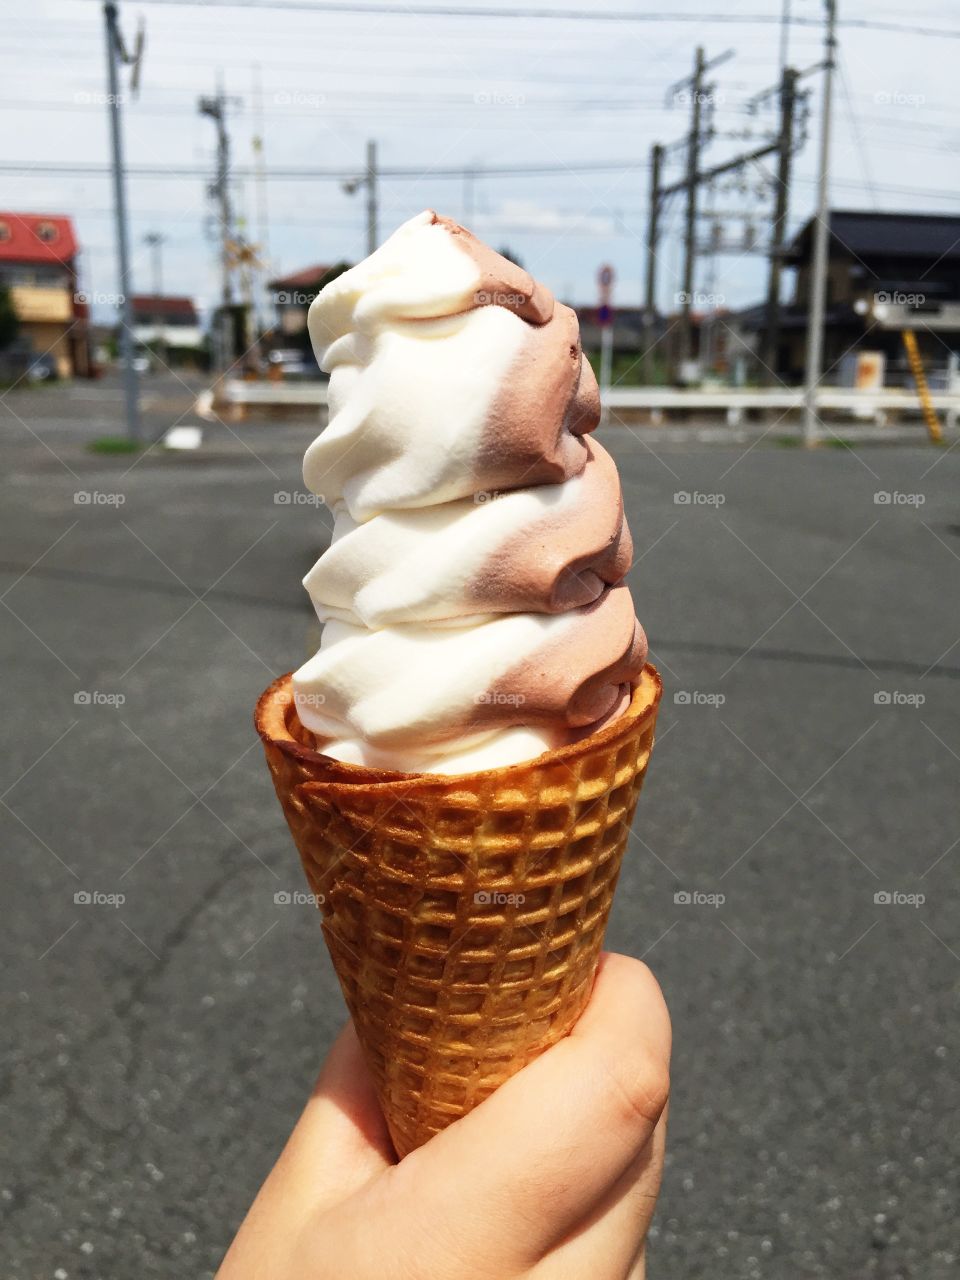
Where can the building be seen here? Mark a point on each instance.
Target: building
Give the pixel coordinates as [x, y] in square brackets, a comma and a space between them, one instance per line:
[292, 295]
[168, 326]
[38, 263]
[886, 272]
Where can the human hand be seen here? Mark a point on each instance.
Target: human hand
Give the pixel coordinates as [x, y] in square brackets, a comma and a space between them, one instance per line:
[554, 1177]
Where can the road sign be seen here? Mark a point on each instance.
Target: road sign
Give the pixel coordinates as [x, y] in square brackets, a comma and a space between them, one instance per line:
[604, 314]
[605, 276]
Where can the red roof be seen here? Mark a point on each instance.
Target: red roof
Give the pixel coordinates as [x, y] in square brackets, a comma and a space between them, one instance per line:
[37, 237]
[147, 306]
[301, 279]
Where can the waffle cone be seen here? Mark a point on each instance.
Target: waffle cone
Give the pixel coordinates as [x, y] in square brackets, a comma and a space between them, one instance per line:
[464, 914]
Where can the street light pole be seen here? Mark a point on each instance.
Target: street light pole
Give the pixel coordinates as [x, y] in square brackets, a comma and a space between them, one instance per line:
[821, 232]
[155, 240]
[131, 389]
[371, 182]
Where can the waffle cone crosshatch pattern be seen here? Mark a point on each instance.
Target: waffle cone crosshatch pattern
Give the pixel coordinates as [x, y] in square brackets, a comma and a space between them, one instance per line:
[464, 915]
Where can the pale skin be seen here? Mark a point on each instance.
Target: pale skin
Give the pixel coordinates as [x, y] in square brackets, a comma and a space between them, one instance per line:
[555, 1177]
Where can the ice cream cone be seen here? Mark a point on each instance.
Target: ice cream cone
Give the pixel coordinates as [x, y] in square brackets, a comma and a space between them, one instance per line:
[464, 914]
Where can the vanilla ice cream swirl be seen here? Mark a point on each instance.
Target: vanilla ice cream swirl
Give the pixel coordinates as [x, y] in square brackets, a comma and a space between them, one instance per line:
[472, 597]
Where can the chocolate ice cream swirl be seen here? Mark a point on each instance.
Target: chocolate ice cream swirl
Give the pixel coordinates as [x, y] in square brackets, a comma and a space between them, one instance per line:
[473, 598]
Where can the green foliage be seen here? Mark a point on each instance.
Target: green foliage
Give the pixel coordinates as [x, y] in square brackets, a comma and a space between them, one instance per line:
[114, 444]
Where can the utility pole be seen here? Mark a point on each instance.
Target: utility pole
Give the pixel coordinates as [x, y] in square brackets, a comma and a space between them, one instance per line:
[263, 234]
[155, 240]
[131, 388]
[690, 221]
[778, 229]
[821, 230]
[653, 240]
[216, 109]
[371, 181]
[784, 35]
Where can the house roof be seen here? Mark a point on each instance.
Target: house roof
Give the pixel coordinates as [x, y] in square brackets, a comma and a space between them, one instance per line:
[301, 279]
[931, 236]
[152, 306]
[37, 237]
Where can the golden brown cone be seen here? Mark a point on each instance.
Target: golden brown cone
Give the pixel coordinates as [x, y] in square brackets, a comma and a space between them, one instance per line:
[464, 914]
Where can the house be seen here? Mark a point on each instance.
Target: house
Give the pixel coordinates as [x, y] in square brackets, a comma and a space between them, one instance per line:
[292, 295]
[38, 263]
[167, 325]
[886, 272]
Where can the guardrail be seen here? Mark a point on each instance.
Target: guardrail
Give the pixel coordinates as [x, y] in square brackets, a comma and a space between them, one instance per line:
[732, 402]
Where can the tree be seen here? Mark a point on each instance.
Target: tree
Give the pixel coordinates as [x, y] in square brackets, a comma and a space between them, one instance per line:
[9, 323]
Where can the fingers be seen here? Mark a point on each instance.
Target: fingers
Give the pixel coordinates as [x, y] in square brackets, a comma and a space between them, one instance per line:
[339, 1144]
[535, 1159]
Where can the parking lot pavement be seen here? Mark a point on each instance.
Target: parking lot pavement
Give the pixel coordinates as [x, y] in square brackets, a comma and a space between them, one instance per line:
[789, 879]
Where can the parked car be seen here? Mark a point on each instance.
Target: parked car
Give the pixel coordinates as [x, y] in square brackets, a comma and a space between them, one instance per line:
[293, 363]
[20, 361]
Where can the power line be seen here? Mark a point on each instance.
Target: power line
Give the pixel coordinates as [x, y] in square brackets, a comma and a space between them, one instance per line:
[94, 170]
[562, 15]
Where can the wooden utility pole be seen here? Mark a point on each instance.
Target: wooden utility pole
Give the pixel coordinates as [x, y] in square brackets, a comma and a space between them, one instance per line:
[821, 233]
[690, 221]
[778, 229]
[653, 239]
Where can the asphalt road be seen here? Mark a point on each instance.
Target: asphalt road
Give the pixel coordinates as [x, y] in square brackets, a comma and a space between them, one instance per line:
[158, 1049]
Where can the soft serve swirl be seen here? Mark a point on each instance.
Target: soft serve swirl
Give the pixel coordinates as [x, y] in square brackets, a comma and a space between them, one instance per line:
[473, 598]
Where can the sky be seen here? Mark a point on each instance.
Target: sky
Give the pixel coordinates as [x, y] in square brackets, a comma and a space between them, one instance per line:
[446, 92]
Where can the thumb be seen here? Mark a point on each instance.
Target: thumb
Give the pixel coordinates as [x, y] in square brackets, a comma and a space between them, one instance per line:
[549, 1145]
